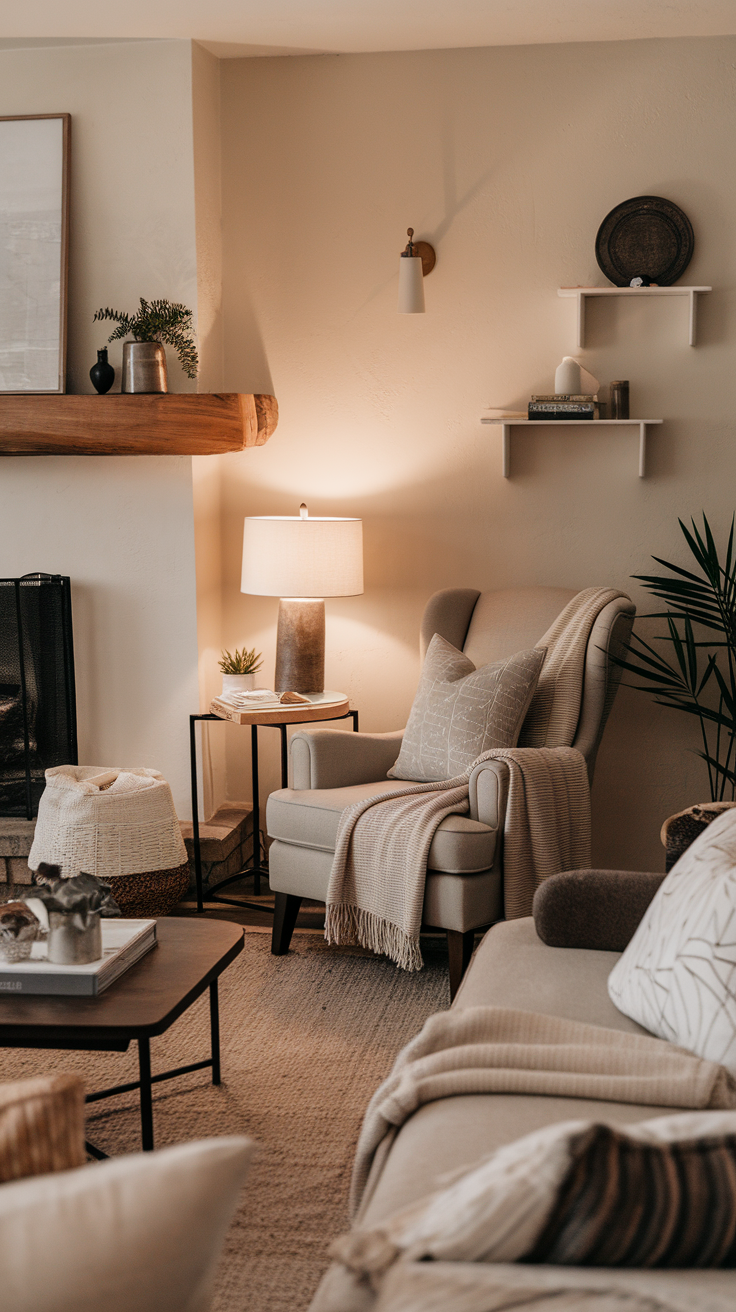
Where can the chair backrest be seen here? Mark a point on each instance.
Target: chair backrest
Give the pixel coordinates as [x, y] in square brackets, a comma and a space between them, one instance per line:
[488, 626]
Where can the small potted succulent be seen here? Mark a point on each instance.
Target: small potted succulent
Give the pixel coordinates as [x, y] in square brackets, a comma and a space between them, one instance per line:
[239, 669]
[144, 359]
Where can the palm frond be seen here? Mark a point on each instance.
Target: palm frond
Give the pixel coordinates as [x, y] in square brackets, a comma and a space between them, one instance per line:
[697, 676]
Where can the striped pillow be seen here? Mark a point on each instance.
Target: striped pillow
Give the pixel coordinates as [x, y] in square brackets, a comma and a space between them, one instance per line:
[625, 1203]
[41, 1126]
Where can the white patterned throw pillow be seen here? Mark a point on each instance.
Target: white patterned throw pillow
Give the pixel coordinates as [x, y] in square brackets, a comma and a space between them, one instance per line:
[459, 711]
[677, 976]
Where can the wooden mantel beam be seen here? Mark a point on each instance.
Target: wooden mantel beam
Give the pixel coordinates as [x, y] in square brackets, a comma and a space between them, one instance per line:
[184, 423]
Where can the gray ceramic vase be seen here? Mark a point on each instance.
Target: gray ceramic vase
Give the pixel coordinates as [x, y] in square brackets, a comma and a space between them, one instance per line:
[144, 367]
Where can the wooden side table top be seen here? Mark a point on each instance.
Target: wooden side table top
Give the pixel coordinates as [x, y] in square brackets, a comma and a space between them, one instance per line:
[145, 1001]
[325, 705]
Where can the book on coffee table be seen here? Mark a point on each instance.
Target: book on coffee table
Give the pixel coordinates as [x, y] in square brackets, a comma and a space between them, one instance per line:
[123, 943]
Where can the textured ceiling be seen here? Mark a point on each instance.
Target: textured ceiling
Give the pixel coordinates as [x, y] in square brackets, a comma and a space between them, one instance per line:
[258, 27]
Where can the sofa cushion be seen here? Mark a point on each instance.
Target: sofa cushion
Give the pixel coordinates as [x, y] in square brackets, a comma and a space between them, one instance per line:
[577, 1193]
[510, 968]
[310, 818]
[460, 712]
[140, 1232]
[678, 974]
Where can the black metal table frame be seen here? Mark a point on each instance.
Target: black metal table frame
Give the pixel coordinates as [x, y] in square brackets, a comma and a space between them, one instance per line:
[146, 1080]
[255, 867]
[70, 1040]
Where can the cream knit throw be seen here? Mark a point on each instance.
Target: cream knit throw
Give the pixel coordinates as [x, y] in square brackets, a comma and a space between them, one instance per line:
[376, 889]
[502, 1050]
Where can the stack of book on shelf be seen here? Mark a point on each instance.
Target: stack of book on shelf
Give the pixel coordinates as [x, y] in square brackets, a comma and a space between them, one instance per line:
[123, 943]
[565, 407]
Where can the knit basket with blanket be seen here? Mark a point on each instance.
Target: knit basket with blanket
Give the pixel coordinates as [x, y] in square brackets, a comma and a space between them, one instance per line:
[117, 824]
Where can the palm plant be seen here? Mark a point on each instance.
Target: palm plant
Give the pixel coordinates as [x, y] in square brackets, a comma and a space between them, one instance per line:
[158, 321]
[699, 675]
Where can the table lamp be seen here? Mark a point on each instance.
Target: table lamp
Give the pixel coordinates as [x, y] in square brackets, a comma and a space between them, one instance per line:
[301, 560]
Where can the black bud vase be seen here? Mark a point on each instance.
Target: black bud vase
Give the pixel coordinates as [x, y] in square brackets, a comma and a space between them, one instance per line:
[102, 373]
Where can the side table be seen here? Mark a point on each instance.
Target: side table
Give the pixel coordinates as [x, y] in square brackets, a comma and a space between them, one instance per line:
[322, 706]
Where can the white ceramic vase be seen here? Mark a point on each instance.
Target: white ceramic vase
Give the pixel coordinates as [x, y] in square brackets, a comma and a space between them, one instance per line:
[567, 377]
[238, 683]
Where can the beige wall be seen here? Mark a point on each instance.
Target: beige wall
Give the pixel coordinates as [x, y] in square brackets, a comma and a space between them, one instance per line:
[507, 160]
[122, 528]
[206, 474]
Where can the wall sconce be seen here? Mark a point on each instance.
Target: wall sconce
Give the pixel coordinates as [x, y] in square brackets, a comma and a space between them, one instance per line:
[417, 260]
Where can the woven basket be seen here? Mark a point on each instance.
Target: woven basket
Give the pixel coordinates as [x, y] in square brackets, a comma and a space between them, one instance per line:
[117, 824]
[154, 893]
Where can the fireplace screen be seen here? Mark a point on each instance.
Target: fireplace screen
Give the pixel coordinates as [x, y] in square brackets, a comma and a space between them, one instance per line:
[38, 719]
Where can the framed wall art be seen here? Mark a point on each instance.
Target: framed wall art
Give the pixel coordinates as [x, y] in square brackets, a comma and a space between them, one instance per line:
[34, 242]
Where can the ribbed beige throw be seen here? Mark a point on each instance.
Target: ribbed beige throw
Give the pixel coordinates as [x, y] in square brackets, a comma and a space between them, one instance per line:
[502, 1050]
[376, 890]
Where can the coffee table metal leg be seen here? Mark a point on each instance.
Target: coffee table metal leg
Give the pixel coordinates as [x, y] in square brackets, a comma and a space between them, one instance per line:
[144, 1071]
[215, 1032]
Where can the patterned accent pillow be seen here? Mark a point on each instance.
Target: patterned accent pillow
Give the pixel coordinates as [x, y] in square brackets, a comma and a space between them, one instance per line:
[635, 1204]
[460, 712]
[677, 977]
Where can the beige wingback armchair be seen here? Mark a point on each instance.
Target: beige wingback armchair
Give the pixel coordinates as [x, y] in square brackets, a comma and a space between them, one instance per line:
[332, 769]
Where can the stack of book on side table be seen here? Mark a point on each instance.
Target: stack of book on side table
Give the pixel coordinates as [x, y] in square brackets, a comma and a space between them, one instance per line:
[565, 407]
[236, 706]
[123, 943]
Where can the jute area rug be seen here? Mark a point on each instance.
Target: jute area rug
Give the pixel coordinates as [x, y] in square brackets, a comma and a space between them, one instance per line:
[306, 1039]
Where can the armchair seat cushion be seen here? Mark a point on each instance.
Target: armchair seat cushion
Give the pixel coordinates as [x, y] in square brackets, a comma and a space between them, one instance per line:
[310, 818]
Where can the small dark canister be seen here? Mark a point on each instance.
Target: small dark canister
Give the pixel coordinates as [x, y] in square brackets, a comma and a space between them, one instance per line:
[618, 407]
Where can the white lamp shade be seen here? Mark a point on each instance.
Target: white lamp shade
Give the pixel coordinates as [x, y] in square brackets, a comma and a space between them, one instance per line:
[411, 285]
[286, 556]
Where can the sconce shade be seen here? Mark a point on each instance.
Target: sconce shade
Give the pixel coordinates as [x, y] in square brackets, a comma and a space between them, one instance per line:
[289, 556]
[411, 285]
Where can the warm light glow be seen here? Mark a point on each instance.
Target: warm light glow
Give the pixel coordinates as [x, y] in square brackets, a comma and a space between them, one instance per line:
[302, 556]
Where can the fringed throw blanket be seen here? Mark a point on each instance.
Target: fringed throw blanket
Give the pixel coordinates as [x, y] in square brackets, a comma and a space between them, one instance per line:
[376, 889]
[503, 1050]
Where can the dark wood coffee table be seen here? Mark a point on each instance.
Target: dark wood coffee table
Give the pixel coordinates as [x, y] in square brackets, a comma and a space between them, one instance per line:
[189, 957]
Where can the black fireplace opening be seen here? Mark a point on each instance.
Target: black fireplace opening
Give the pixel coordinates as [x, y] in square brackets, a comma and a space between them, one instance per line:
[38, 714]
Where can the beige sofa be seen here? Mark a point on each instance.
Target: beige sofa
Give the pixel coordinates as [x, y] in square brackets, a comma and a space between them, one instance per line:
[512, 967]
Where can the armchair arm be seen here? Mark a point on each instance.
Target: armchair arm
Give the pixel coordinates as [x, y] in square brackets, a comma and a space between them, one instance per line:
[597, 909]
[489, 793]
[329, 758]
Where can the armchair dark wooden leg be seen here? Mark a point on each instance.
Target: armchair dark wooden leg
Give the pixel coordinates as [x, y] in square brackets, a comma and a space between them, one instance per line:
[460, 949]
[286, 910]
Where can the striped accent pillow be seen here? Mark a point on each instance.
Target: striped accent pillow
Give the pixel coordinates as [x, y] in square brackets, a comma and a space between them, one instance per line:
[625, 1203]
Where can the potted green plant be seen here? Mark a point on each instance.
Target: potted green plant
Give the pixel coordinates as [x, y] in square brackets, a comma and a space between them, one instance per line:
[144, 359]
[694, 667]
[699, 677]
[239, 669]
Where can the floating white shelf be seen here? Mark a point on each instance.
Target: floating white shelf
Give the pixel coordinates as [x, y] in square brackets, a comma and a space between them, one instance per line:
[582, 293]
[508, 424]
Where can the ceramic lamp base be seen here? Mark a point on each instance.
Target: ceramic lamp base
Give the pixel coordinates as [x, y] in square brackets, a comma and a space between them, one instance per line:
[300, 645]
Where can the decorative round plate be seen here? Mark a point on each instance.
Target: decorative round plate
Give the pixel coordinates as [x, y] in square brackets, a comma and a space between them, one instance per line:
[645, 237]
